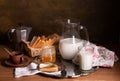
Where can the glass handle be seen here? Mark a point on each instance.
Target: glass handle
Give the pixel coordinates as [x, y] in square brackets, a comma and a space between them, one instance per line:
[85, 32]
[84, 35]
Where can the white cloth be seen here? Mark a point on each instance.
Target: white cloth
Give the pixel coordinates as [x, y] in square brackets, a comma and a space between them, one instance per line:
[25, 71]
[31, 69]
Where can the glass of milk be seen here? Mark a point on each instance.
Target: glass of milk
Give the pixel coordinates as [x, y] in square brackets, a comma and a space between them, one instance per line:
[86, 57]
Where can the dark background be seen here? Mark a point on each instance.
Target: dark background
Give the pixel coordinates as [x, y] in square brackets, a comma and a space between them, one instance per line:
[99, 16]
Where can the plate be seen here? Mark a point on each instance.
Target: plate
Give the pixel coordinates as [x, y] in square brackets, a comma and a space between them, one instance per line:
[70, 70]
[73, 71]
[24, 63]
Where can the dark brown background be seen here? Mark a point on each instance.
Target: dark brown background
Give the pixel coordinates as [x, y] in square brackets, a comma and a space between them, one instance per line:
[99, 16]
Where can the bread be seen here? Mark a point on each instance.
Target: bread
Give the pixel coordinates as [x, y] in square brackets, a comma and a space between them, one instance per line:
[49, 68]
[55, 37]
[33, 40]
[41, 41]
[35, 43]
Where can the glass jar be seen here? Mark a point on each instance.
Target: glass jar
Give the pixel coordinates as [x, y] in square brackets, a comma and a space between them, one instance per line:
[48, 54]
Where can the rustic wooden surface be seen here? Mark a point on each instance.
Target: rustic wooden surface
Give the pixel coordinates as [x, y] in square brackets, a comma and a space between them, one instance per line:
[103, 74]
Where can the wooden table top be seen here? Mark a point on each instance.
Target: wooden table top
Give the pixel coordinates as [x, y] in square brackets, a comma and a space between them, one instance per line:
[103, 74]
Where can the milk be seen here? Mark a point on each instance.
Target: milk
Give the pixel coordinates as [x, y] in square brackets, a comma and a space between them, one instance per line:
[85, 59]
[68, 48]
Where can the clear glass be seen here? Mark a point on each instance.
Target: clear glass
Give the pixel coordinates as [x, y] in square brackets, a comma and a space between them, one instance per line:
[70, 31]
[86, 57]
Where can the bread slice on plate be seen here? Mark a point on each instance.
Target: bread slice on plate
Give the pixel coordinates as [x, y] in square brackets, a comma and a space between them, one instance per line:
[48, 67]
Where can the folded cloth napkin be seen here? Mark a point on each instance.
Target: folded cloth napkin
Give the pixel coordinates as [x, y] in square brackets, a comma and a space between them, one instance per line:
[31, 69]
[101, 56]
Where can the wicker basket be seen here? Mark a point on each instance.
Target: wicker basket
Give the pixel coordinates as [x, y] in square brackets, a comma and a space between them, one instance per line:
[32, 52]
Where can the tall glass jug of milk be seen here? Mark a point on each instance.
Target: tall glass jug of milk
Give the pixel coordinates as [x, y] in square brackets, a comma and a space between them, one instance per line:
[70, 40]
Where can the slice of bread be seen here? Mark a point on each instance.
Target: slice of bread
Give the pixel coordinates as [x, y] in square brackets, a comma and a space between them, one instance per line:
[49, 68]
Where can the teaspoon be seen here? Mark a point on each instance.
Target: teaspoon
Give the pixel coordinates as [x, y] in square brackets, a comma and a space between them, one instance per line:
[8, 51]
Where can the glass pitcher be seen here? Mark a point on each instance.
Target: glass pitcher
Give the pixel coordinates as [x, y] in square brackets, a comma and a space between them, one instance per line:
[71, 39]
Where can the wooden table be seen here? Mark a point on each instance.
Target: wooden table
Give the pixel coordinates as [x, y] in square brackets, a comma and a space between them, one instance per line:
[103, 74]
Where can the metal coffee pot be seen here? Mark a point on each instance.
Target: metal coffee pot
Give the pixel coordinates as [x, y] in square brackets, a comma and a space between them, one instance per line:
[18, 34]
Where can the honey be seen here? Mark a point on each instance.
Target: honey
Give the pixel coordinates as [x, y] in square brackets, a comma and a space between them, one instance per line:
[49, 58]
[48, 54]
